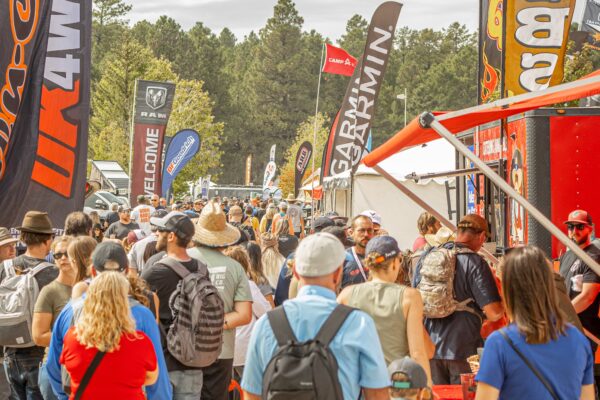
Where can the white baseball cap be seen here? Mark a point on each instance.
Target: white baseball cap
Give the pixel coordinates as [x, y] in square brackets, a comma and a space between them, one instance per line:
[319, 254]
[375, 217]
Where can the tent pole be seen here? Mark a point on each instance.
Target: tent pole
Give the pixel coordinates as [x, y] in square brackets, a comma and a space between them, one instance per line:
[432, 122]
[411, 195]
[519, 98]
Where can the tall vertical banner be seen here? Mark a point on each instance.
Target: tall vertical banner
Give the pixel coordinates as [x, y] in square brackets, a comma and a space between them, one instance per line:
[490, 49]
[44, 107]
[591, 22]
[182, 148]
[302, 159]
[205, 187]
[380, 41]
[153, 102]
[536, 43]
[248, 175]
[272, 153]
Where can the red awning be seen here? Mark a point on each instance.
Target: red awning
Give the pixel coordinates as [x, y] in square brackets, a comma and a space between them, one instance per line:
[413, 134]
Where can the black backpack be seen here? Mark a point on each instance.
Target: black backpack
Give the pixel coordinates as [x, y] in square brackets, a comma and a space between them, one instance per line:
[305, 370]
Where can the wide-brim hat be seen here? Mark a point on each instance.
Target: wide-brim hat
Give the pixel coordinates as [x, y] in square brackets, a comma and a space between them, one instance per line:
[290, 198]
[212, 229]
[36, 222]
[443, 235]
[6, 237]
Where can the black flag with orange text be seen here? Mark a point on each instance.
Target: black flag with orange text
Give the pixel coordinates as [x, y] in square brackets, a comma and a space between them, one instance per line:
[44, 107]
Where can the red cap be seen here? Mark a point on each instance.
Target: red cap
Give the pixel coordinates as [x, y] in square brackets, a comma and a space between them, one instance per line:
[579, 217]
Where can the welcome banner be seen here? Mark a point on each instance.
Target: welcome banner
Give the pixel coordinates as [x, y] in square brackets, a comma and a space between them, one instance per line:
[153, 102]
[182, 148]
[536, 42]
[490, 49]
[44, 107]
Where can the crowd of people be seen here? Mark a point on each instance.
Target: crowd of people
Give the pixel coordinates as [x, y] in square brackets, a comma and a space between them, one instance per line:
[215, 299]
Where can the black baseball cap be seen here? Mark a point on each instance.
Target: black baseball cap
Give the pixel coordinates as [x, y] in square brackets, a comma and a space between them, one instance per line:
[176, 222]
[109, 251]
[321, 223]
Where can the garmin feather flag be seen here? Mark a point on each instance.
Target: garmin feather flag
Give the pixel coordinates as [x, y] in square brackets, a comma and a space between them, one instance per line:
[182, 148]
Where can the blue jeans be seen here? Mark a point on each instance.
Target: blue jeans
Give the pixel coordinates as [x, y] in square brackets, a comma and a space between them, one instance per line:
[187, 385]
[22, 374]
[44, 384]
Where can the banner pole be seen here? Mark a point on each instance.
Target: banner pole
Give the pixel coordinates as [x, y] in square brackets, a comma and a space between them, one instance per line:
[312, 182]
[131, 132]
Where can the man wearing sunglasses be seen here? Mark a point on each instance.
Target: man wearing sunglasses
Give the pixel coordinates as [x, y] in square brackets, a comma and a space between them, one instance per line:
[583, 284]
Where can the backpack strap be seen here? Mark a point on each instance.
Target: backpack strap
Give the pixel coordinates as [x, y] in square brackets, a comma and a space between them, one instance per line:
[280, 325]
[333, 324]
[175, 266]
[40, 267]
[9, 269]
[89, 372]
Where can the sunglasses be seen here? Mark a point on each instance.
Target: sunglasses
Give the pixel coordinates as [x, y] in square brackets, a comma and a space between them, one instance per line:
[579, 227]
[58, 256]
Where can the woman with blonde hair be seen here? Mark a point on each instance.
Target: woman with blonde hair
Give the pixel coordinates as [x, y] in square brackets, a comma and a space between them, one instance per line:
[267, 220]
[272, 260]
[538, 355]
[397, 310]
[105, 335]
[287, 242]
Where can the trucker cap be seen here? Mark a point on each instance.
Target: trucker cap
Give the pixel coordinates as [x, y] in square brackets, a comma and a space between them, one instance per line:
[579, 217]
[177, 222]
[417, 379]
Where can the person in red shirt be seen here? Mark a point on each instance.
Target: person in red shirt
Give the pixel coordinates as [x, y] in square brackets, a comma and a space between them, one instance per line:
[106, 325]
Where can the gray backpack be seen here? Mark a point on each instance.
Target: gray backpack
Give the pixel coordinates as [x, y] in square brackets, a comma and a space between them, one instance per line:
[438, 268]
[18, 294]
[195, 337]
[307, 370]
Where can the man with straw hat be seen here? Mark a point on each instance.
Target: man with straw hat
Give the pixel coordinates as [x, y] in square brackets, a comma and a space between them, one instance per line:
[212, 235]
[22, 364]
[294, 213]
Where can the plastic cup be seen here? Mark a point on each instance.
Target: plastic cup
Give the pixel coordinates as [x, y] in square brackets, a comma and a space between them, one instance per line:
[469, 387]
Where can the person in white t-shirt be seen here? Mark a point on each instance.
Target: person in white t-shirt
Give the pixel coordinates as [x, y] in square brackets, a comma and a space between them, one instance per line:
[141, 214]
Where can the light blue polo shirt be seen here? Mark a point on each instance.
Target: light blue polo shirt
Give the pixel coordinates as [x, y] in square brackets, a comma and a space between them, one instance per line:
[356, 346]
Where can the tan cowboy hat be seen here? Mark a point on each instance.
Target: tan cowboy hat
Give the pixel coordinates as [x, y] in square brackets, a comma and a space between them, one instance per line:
[212, 229]
[5, 237]
[290, 198]
[36, 222]
[444, 235]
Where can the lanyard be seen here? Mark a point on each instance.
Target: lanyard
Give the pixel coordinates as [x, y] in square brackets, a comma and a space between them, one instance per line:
[360, 266]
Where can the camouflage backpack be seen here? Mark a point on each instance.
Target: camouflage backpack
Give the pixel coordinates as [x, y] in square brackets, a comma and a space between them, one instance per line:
[436, 284]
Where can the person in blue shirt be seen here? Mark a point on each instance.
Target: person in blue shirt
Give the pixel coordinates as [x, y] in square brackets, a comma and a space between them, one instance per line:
[356, 347]
[108, 256]
[538, 330]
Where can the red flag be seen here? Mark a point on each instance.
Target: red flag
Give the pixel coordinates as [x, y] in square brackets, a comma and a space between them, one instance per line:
[338, 61]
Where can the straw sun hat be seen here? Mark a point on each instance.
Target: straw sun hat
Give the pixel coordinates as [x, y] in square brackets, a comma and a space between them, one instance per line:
[442, 236]
[212, 229]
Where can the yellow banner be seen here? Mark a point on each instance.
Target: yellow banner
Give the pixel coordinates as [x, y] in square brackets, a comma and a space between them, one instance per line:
[536, 42]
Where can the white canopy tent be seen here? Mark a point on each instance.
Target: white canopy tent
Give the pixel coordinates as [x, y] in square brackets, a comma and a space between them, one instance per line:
[371, 191]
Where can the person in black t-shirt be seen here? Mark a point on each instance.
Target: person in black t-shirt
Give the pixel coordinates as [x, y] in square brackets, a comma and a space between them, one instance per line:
[121, 228]
[583, 284]
[22, 364]
[175, 231]
[457, 336]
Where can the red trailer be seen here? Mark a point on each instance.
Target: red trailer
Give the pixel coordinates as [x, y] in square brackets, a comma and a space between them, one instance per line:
[549, 156]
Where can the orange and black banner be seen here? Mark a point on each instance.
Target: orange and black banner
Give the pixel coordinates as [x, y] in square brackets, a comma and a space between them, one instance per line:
[153, 102]
[536, 42]
[490, 50]
[44, 107]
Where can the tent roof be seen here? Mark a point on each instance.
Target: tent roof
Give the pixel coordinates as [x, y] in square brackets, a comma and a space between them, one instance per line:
[413, 134]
